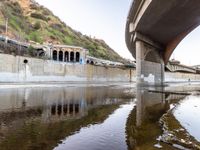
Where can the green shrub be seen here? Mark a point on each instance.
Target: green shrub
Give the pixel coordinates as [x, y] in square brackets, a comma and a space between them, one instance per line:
[34, 36]
[39, 16]
[53, 37]
[15, 7]
[13, 22]
[67, 40]
[2, 28]
[46, 12]
[37, 25]
[32, 51]
[33, 6]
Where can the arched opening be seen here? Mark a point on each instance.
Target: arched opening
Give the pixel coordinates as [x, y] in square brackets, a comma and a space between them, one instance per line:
[54, 55]
[88, 61]
[92, 62]
[60, 56]
[72, 56]
[77, 56]
[66, 56]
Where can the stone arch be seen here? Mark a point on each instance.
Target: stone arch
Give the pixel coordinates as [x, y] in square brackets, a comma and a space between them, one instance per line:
[66, 56]
[92, 62]
[71, 56]
[77, 56]
[55, 55]
[60, 56]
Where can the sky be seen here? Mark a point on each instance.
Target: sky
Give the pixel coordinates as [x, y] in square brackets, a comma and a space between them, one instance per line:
[106, 19]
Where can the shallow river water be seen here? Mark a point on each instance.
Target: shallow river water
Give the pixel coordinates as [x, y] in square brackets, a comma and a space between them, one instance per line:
[99, 117]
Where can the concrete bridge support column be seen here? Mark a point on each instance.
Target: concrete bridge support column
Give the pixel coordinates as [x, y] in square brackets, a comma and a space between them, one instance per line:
[149, 62]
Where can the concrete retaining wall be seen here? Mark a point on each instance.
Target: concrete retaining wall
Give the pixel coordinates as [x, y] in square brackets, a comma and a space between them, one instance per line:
[181, 77]
[13, 69]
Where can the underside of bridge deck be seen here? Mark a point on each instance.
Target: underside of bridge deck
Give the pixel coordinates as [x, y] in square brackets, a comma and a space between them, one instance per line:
[162, 22]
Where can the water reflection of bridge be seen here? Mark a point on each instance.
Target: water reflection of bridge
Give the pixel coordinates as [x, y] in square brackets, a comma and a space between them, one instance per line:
[143, 123]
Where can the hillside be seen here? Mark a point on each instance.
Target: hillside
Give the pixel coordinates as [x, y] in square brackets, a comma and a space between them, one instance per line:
[29, 21]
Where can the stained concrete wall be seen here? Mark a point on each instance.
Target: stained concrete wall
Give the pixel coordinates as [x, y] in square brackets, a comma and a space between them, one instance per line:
[181, 77]
[13, 69]
[151, 72]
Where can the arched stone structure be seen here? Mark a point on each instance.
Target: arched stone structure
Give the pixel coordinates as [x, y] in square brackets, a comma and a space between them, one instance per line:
[65, 53]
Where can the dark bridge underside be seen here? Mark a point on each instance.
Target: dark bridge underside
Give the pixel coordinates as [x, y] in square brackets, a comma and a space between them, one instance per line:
[165, 21]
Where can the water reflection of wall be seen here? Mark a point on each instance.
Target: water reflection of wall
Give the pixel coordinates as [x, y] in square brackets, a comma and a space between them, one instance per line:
[64, 110]
[57, 103]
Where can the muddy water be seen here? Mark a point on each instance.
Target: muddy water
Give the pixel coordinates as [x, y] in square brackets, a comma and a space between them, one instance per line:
[97, 117]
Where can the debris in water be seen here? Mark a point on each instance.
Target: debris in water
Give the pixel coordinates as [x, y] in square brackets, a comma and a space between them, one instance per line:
[158, 145]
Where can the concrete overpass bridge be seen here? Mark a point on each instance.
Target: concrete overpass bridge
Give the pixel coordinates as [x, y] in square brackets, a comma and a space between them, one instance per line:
[153, 30]
[175, 66]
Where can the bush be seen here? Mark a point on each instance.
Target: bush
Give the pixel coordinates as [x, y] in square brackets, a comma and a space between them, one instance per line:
[56, 26]
[39, 16]
[46, 12]
[33, 6]
[34, 36]
[14, 23]
[53, 37]
[37, 25]
[32, 51]
[15, 7]
[2, 28]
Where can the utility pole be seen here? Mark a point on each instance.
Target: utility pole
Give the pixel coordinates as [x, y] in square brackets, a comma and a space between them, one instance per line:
[6, 30]
[19, 42]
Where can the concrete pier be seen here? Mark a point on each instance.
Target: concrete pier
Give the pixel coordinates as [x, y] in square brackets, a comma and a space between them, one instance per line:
[149, 62]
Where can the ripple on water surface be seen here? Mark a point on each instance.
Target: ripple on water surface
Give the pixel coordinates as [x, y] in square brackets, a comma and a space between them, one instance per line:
[108, 135]
[188, 113]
